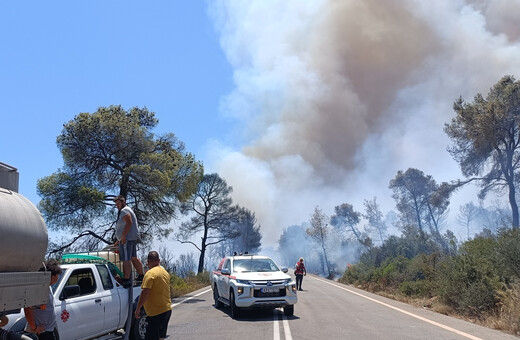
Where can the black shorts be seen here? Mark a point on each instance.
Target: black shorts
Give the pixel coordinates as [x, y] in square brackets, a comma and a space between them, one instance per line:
[157, 325]
[49, 335]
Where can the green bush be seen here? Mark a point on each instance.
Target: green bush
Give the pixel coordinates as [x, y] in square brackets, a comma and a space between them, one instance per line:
[480, 279]
[508, 254]
[468, 281]
[420, 288]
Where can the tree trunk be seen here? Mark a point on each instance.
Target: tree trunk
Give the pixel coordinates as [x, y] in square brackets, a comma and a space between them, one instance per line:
[514, 205]
[325, 255]
[201, 260]
[203, 246]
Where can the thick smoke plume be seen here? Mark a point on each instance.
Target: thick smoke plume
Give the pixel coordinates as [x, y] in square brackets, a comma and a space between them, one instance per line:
[332, 98]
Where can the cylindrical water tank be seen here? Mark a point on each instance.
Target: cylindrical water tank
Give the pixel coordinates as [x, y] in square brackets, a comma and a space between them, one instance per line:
[23, 234]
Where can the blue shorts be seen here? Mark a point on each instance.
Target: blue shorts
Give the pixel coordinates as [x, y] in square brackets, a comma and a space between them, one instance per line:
[127, 250]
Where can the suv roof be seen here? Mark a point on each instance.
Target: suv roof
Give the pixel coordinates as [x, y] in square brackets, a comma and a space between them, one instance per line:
[249, 257]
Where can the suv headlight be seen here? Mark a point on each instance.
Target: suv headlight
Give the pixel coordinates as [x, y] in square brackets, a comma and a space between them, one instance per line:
[244, 282]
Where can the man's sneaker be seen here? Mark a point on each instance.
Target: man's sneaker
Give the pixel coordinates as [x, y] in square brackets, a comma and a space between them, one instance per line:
[126, 283]
[139, 278]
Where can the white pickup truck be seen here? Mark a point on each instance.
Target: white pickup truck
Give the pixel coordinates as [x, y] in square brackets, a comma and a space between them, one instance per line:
[88, 300]
[252, 281]
[90, 303]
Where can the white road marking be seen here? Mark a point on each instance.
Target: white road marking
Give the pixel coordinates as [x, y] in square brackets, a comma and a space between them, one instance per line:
[286, 329]
[453, 330]
[276, 327]
[191, 297]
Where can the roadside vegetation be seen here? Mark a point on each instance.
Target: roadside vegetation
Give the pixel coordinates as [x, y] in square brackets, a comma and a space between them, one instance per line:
[479, 282]
[184, 285]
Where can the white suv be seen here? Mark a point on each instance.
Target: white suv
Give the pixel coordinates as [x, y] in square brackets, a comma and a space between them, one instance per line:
[252, 281]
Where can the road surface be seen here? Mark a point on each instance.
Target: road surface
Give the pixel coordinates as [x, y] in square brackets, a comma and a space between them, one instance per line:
[325, 310]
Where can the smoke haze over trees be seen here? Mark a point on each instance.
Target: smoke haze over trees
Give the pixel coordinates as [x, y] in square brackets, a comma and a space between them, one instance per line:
[333, 98]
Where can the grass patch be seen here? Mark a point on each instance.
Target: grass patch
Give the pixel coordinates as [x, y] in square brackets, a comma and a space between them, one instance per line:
[181, 286]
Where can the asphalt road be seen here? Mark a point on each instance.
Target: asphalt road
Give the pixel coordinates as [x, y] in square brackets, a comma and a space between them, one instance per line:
[325, 310]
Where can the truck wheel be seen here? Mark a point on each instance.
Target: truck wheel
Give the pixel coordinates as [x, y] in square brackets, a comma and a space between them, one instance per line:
[138, 330]
[218, 303]
[288, 310]
[235, 311]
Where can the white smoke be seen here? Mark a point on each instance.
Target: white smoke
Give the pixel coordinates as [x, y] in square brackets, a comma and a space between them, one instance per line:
[332, 98]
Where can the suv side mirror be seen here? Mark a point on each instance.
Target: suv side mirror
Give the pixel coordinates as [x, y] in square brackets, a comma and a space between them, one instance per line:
[284, 269]
[225, 271]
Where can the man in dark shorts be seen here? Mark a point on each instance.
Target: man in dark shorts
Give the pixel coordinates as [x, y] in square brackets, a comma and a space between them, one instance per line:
[155, 297]
[41, 320]
[127, 235]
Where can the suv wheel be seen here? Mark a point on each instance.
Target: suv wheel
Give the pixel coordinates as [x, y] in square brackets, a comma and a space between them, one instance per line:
[235, 311]
[218, 303]
[288, 310]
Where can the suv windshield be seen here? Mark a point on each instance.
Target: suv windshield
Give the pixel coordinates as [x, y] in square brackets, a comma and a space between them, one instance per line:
[254, 265]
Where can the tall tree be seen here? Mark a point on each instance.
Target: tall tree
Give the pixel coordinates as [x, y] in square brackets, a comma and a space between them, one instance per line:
[486, 136]
[185, 265]
[294, 243]
[375, 219]
[114, 152]
[212, 214]
[346, 219]
[467, 213]
[421, 201]
[319, 231]
[250, 238]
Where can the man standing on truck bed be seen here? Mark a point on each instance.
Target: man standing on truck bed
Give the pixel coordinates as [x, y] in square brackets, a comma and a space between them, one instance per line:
[127, 234]
[155, 297]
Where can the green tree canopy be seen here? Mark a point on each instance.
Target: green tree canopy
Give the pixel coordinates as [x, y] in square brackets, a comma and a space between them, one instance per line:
[486, 137]
[421, 201]
[346, 219]
[113, 152]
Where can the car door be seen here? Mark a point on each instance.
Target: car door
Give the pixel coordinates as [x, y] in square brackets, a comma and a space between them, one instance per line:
[82, 316]
[111, 299]
[223, 280]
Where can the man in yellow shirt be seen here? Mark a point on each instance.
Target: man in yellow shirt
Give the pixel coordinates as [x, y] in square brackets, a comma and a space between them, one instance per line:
[155, 297]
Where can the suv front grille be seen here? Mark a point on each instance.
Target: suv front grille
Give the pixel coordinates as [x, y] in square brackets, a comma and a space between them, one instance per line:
[281, 292]
[264, 282]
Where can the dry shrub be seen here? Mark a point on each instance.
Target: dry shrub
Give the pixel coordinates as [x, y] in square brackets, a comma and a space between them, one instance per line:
[442, 309]
[509, 310]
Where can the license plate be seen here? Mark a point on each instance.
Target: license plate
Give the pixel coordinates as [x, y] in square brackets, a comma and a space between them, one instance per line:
[270, 290]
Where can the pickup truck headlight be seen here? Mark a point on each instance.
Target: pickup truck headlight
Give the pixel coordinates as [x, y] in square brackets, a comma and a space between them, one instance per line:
[240, 289]
[291, 285]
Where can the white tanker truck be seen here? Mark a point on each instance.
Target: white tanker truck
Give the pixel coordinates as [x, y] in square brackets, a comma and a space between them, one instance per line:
[23, 243]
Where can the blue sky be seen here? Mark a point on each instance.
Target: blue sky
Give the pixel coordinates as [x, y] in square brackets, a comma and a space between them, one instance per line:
[296, 104]
[62, 58]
